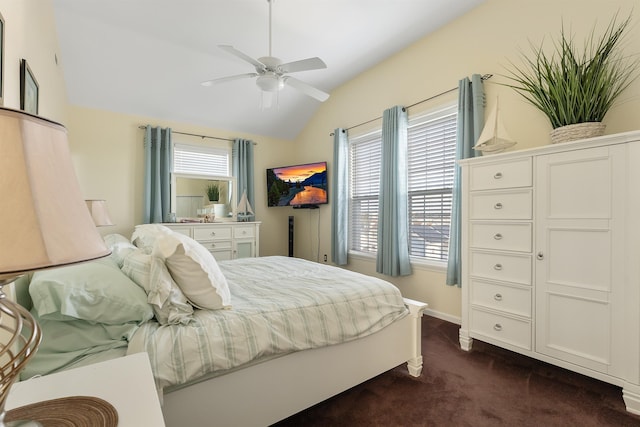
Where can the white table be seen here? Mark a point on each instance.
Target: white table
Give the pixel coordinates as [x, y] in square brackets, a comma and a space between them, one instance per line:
[125, 382]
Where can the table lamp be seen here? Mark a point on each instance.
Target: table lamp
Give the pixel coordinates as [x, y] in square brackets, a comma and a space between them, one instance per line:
[44, 222]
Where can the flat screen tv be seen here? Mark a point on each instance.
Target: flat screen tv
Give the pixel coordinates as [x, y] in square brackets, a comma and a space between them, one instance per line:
[300, 186]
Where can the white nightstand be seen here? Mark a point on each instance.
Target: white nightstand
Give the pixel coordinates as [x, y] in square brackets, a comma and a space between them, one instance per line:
[125, 382]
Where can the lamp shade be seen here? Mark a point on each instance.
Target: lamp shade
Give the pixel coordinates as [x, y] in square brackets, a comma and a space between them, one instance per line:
[99, 212]
[44, 221]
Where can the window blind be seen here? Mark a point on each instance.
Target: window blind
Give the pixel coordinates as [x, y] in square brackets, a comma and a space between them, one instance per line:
[431, 166]
[365, 160]
[200, 160]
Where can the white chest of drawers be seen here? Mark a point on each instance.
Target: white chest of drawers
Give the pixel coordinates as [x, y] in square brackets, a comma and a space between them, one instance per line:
[550, 249]
[225, 240]
[500, 236]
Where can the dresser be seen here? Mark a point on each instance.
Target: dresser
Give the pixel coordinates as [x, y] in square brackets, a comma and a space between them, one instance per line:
[551, 256]
[225, 240]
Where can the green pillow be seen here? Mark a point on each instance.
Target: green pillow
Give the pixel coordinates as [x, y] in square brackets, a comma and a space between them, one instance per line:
[95, 291]
[69, 342]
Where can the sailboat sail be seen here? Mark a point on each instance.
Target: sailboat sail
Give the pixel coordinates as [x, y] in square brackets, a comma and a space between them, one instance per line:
[244, 207]
[494, 137]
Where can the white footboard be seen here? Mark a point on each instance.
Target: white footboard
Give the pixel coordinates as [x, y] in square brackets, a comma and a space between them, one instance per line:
[267, 392]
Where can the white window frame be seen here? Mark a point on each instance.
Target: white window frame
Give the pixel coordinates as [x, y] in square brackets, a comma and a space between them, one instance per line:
[441, 186]
[368, 194]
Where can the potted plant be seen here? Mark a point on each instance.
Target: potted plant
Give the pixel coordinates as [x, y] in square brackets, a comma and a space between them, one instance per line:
[213, 192]
[575, 87]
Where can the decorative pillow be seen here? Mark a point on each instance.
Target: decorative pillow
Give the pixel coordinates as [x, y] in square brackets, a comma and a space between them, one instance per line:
[144, 235]
[95, 291]
[195, 271]
[167, 300]
[120, 246]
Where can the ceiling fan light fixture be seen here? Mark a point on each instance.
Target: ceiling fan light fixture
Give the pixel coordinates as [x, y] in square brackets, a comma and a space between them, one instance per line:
[270, 82]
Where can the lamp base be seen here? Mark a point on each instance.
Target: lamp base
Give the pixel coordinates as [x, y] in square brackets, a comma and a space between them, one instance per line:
[20, 337]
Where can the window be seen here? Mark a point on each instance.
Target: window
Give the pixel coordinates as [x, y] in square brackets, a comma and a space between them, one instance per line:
[194, 168]
[200, 160]
[431, 166]
[430, 172]
[365, 154]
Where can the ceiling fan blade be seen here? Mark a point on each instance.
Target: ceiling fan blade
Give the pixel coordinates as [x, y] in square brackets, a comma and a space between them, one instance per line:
[306, 88]
[232, 50]
[229, 78]
[308, 64]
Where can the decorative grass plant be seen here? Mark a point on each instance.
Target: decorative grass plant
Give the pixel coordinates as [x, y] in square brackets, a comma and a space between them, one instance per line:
[576, 85]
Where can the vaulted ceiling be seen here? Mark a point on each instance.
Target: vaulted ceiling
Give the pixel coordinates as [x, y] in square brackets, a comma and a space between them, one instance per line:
[148, 57]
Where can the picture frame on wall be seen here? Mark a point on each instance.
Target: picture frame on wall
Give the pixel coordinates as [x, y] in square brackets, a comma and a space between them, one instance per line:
[1, 60]
[28, 89]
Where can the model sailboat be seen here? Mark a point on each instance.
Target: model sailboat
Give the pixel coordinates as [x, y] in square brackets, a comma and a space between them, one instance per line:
[494, 137]
[244, 208]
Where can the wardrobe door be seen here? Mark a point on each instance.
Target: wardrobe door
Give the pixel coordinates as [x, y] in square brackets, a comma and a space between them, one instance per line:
[577, 273]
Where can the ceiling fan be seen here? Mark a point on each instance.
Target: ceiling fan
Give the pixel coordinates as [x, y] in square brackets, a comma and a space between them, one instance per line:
[272, 74]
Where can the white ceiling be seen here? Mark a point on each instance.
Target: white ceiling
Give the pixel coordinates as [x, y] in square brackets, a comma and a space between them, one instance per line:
[148, 57]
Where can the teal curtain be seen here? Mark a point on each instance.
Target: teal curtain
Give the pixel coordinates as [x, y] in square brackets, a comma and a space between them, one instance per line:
[393, 214]
[470, 122]
[158, 155]
[242, 163]
[340, 198]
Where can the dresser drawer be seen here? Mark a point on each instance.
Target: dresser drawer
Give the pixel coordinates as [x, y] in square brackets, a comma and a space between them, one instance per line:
[513, 204]
[511, 299]
[224, 245]
[501, 236]
[501, 266]
[211, 233]
[243, 232]
[182, 230]
[502, 328]
[517, 173]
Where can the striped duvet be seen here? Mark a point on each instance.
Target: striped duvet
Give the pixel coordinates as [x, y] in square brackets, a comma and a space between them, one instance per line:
[279, 305]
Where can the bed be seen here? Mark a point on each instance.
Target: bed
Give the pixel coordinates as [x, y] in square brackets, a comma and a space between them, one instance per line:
[257, 341]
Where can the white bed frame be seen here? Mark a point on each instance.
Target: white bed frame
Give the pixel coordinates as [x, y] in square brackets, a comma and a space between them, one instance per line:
[265, 393]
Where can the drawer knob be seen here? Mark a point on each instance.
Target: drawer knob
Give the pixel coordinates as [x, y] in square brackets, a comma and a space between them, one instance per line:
[497, 297]
[497, 267]
[497, 206]
[540, 256]
[213, 233]
[498, 175]
[497, 236]
[497, 327]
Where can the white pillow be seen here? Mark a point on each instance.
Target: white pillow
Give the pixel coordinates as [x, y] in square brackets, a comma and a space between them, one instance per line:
[144, 236]
[195, 271]
[169, 304]
[120, 246]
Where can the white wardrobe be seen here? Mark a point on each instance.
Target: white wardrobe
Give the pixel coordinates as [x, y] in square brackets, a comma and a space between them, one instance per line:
[551, 256]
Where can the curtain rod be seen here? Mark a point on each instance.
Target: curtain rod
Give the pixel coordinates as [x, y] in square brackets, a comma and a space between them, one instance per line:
[199, 136]
[484, 77]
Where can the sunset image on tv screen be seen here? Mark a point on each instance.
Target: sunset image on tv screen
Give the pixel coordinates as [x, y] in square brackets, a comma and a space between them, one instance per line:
[299, 185]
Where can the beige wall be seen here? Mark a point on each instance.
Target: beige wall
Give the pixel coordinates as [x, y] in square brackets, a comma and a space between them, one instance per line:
[107, 149]
[30, 34]
[483, 41]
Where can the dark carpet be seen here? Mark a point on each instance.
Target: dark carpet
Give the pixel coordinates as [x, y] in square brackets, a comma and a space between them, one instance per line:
[488, 386]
